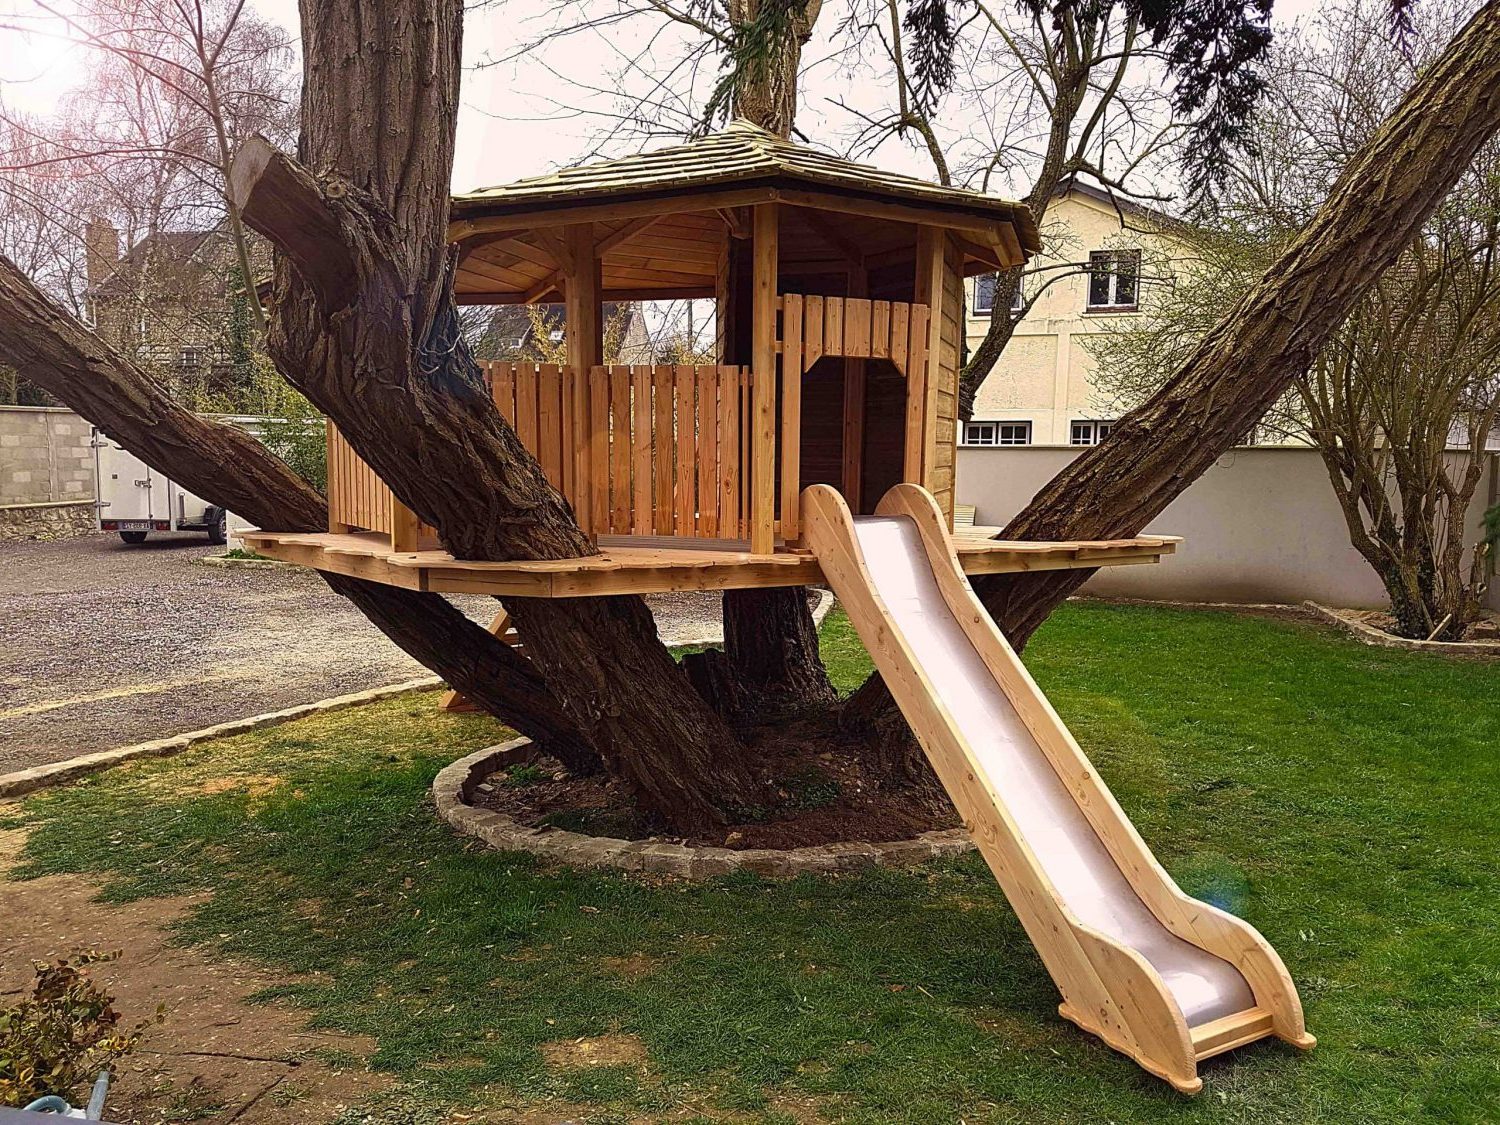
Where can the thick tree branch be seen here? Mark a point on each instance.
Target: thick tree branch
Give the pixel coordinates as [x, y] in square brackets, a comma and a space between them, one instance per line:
[228, 467]
[279, 198]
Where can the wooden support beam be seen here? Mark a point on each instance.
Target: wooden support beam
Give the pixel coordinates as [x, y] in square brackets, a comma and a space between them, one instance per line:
[763, 369]
[455, 701]
[736, 220]
[549, 284]
[583, 333]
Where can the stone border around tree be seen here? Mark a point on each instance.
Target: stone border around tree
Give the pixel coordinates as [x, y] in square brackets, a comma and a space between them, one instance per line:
[1379, 638]
[454, 786]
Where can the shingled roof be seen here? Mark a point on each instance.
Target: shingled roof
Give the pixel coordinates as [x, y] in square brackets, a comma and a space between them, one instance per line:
[741, 155]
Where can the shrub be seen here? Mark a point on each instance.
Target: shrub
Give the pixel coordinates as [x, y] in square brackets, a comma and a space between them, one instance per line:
[64, 1034]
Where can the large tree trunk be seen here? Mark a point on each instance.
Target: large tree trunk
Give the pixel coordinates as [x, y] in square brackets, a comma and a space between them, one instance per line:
[770, 35]
[58, 354]
[365, 327]
[1240, 369]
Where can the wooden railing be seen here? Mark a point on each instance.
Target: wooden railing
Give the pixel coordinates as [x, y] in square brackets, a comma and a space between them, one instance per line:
[358, 500]
[637, 450]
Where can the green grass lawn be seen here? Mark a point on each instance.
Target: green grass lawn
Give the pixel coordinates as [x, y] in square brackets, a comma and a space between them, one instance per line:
[1343, 799]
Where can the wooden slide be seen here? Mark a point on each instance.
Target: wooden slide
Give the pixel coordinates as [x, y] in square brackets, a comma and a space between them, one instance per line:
[1162, 977]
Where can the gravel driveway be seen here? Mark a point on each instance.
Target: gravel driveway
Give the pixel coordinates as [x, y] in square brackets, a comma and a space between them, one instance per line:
[103, 645]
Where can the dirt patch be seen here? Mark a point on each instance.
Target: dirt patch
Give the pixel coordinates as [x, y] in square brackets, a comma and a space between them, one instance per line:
[633, 967]
[816, 785]
[217, 1057]
[599, 1050]
[254, 785]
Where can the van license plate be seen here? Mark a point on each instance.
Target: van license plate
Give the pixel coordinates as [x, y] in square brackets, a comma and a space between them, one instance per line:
[134, 525]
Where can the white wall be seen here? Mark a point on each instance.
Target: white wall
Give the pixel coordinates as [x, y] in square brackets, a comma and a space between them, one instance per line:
[1262, 525]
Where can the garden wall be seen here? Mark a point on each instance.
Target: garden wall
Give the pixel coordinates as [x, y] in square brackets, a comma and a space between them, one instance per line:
[46, 473]
[1262, 525]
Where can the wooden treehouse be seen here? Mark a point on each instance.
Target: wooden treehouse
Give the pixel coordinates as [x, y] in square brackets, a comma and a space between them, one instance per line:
[839, 297]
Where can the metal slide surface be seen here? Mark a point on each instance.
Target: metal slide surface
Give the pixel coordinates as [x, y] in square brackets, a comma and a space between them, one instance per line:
[1082, 874]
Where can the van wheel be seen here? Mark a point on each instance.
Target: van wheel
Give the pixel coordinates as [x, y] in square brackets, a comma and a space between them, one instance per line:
[218, 531]
[134, 538]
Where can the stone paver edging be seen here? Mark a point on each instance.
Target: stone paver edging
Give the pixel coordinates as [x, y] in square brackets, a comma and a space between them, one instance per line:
[55, 773]
[1381, 639]
[454, 785]
[227, 563]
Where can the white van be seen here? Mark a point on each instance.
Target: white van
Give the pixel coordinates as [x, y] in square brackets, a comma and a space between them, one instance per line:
[135, 500]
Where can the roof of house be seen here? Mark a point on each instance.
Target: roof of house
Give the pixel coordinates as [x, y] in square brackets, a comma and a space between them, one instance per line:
[163, 245]
[1125, 205]
[742, 154]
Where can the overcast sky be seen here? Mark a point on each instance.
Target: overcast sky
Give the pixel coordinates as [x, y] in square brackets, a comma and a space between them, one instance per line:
[519, 118]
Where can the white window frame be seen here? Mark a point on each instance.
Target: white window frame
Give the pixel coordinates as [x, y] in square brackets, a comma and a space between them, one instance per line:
[1092, 430]
[1020, 433]
[1017, 300]
[1114, 259]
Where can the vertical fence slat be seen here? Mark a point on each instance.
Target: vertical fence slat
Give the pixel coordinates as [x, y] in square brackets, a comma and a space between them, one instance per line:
[583, 449]
[812, 334]
[599, 448]
[503, 389]
[708, 452]
[549, 422]
[568, 422]
[900, 314]
[880, 329]
[729, 452]
[686, 502]
[640, 449]
[857, 326]
[619, 450]
[833, 326]
[663, 446]
[526, 406]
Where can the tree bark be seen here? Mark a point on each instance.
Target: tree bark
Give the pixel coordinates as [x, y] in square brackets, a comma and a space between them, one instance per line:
[1242, 367]
[366, 328]
[58, 354]
[765, 90]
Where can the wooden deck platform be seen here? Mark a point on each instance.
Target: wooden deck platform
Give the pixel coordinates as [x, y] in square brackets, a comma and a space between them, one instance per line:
[626, 567]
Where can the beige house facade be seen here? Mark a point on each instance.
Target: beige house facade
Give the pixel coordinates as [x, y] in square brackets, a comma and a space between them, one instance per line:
[1100, 253]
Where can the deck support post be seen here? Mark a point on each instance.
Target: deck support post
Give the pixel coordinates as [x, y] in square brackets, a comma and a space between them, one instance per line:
[763, 375]
[583, 332]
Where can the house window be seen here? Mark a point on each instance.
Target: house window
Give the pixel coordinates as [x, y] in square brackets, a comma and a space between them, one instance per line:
[984, 293]
[984, 296]
[1114, 279]
[190, 359]
[1090, 432]
[997, 433]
